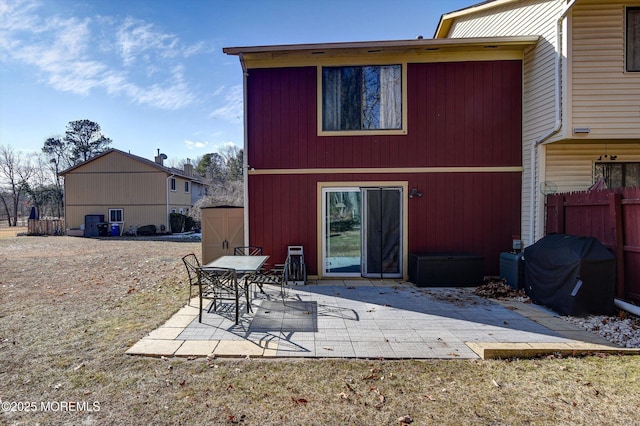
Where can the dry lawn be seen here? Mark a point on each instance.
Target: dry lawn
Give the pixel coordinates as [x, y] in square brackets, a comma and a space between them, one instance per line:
[70, 308]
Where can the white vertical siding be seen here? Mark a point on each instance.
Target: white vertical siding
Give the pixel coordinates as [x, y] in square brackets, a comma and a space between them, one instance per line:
[605, 98]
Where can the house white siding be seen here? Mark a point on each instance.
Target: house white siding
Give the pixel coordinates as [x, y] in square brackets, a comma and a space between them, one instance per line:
[539, 79]
[604, 98]
[570, 166]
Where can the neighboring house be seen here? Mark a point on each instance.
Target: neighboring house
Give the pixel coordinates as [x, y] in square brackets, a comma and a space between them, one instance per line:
[366, 152]
[581, 103]
[129, 190]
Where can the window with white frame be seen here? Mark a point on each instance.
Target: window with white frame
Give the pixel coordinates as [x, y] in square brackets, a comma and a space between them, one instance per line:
[186, 186]
[618, 175]
[116, 215]
[173, 184]
[362, 98]
[633, 39]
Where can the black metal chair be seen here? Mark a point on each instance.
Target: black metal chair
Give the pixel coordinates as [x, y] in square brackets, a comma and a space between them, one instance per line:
[222, 284]
[247, 251]
[192, 264]
[276, 275]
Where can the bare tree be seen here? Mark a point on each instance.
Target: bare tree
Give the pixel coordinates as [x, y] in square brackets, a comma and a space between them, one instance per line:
[43, 188]
[14, 172]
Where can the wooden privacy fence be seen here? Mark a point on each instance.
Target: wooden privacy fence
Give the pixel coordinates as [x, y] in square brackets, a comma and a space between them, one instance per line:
[611, 216]
[45, 227]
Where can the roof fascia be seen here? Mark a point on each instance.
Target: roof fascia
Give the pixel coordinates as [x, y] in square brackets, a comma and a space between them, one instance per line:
[254, 56]
[167, 170]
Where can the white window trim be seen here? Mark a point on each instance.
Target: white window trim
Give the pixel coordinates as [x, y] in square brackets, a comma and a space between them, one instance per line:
[121, 215]
[372, 132]
[173, 185]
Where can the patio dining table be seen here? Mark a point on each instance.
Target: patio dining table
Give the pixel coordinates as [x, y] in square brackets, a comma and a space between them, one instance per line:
[241, 264]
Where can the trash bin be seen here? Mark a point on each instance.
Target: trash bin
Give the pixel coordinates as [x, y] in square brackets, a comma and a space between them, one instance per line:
[103, 229]
[512, 269]
[115, 229]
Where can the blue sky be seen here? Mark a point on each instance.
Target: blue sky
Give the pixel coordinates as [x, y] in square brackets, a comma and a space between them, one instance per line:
[152, 72]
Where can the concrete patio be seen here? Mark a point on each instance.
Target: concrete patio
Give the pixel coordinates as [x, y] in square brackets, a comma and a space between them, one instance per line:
[371, 319]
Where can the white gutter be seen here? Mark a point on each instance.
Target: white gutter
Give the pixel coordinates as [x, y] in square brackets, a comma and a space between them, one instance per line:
[168, 221]
[558, 120]
[245, 155]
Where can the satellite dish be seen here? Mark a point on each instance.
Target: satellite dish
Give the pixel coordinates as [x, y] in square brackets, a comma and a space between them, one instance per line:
[548, 188]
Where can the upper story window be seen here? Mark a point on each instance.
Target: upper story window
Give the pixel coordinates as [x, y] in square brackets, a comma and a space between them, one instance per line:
[633, 39]
[362, 99]
[173, 184]
[186, 186]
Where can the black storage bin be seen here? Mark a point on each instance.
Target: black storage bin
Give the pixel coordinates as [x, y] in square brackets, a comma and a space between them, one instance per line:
[446, 269]
[512, 269]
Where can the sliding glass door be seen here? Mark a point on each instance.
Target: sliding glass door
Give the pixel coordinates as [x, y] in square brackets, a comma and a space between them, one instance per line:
[382, 236]
[342, 231]
[362, 232]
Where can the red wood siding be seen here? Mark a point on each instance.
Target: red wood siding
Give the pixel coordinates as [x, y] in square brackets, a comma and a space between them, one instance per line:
[464, 114]
[461, 212]
[459, 114]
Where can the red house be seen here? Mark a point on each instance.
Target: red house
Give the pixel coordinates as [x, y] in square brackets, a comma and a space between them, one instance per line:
[367, 152]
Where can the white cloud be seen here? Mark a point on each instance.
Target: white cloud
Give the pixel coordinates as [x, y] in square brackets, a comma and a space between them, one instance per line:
[232, 109]
[135, 37]
[195, 144]
[77, 55]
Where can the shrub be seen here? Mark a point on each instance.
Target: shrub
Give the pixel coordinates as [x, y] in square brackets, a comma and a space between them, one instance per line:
[147, 230]
[189, 223]
[176, 220]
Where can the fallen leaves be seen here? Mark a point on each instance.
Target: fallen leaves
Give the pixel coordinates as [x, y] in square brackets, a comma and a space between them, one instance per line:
[404, 420]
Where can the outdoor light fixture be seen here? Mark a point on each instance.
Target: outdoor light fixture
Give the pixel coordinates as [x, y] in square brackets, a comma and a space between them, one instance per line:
[606, 155]
[415, 193]
[582, 130]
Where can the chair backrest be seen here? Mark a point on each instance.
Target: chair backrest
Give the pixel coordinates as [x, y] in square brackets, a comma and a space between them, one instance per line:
[192, 264]
[247, 251]
[222, 279]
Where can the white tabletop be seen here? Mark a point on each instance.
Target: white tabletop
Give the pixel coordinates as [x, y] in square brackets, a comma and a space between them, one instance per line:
[239, 263]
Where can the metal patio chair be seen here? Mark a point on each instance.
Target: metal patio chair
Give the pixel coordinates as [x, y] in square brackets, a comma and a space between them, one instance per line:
[192, 264]
[222, 284]
[247, 251]
[275, 275]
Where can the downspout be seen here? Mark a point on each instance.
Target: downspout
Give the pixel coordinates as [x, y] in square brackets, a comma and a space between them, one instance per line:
[168, 221]
[621, 304]
[558, 120]
[245, 156]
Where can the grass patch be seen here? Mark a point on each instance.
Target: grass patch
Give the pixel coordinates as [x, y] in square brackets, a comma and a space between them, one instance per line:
[65, 327]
